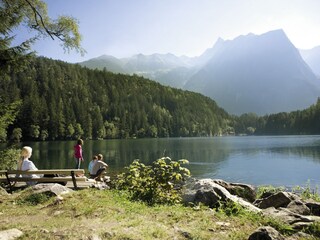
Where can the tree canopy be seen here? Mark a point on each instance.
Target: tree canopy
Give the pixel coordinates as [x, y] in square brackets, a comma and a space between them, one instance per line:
[67, 101]
[34, 15]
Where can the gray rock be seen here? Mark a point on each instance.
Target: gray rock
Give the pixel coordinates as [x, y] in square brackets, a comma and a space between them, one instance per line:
[280, 199]
[245, 191]
[208, 192]
[266, 233]
[10, 234]
[314, 207]
[297, 221]
[299, 207]
[56, 189]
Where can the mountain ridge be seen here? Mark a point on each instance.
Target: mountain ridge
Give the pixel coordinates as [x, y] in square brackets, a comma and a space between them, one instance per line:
[251, 73]
[257, 73]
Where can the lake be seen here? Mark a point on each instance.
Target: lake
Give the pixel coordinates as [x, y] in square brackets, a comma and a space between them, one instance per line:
[259, 160]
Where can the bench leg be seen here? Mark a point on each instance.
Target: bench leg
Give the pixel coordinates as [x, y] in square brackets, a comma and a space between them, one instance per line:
[74, 180]
[8, 179]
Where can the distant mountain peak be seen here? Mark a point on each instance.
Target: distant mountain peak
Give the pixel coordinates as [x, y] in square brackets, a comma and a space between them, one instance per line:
[250, 73]
[256, 73]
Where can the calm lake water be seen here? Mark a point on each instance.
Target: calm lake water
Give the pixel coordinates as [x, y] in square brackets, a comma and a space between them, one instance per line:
[277, 160]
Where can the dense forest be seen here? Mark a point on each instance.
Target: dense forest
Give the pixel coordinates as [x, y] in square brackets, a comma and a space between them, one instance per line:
[58, 100]
[299, 122]
[66, 101]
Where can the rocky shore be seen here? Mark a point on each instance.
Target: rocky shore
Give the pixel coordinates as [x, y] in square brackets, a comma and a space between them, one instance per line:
[287, 207]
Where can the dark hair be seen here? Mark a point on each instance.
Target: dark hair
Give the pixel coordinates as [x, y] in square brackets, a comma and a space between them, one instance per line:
[95, 157]
[80, 141]
[100, 156]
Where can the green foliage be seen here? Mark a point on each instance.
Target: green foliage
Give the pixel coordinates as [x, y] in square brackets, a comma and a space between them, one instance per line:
[279, 225]
[33, 199]
[155, 184]
[16, 135]
[8, 113]
[33, 15]
[263, 190]
[34, 131]
[307, 192]
[9, 158]
[297, 122]
[231, 208]
[67, 101]
[313, 229]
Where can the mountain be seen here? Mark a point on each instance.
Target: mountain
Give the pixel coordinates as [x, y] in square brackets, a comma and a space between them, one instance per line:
[257, 73]
[312, 58]
[111, 64]
[166, 69]
[263, 74]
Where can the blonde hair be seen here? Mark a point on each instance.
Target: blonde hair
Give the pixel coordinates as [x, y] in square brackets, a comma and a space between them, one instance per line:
[26, 152]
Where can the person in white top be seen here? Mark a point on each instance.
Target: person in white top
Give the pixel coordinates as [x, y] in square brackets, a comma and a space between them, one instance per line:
[98, 169]
[91, 164]
[25, 164]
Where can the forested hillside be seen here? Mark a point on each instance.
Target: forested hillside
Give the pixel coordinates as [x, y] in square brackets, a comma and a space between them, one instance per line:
[67, 101]
[302, 122]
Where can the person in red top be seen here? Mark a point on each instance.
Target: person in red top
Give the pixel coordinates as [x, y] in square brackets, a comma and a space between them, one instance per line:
[78, 153]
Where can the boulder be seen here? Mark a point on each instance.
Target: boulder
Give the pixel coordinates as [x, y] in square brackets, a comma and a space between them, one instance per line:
[280, 199]
[10, 234]
[299, 207]
[53, 188]
[297, 221]
[245, 191]
[314, 207]
[266, 233]
[208, 192]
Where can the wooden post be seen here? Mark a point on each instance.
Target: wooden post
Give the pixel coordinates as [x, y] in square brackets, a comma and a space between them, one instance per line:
[8, 179]
[74, 180]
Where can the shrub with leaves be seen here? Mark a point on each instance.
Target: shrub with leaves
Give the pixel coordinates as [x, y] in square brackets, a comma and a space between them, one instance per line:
[159, 183]
[9, 158]
[33, 199]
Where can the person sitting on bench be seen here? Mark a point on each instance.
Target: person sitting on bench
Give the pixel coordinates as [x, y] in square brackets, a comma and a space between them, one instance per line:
[98, 168]
[25, 164]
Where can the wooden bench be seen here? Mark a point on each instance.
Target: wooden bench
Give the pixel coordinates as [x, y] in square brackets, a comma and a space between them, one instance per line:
[63, 175]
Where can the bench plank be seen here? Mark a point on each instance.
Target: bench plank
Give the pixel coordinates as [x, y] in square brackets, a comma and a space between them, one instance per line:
[71, 175]
[43, 171]
[42, 179]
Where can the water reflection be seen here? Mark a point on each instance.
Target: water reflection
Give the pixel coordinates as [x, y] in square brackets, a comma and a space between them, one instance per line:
[281, 160]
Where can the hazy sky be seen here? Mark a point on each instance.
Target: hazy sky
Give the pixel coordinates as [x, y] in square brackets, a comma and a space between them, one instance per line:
[183, 27]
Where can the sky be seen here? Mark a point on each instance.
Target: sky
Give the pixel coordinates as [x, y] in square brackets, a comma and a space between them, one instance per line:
[122, 28]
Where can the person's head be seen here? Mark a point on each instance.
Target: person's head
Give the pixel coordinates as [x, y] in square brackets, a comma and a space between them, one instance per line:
[26, 152]
[80, 141]
[95, 157]
[100, 157]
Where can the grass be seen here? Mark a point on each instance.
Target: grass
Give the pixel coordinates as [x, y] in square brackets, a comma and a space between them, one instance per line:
[110, 215]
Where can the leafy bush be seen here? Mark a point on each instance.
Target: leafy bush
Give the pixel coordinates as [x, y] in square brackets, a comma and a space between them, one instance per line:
[33, 199]
[9, 158]
[307, 192]
[158, 183]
